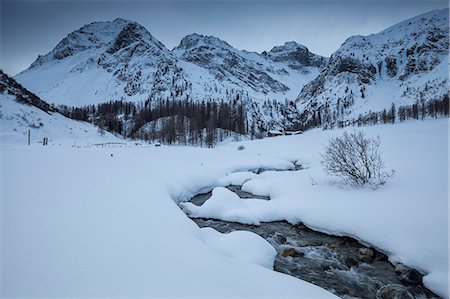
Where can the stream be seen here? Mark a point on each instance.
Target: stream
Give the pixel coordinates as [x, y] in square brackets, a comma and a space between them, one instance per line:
[338, 264]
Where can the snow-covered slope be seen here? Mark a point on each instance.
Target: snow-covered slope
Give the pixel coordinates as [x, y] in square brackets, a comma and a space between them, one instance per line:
[21, 111]
[402, 64]
[116, 60]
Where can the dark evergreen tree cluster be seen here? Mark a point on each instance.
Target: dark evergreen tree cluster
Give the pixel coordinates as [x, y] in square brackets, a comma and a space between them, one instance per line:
[167, 121]
[328, 118]
[418, 110]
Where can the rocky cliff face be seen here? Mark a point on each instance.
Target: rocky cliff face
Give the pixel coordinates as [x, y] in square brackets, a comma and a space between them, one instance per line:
[296, 56]
[228, 64]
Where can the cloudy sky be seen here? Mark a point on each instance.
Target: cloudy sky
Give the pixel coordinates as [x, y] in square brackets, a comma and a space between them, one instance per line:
[33, 27]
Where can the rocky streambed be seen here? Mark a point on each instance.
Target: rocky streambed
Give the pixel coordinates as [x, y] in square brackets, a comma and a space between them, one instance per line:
[340, 265]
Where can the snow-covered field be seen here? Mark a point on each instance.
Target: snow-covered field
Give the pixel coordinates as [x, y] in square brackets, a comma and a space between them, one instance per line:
[105, 221]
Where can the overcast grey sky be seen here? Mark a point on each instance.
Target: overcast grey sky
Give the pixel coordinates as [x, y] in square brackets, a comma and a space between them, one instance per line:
[33, 27]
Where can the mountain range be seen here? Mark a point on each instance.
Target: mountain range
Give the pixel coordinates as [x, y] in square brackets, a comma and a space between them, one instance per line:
[281, 88]
[105, 61]
[405, 63]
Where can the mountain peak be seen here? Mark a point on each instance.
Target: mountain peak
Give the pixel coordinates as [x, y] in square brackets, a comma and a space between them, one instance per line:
[121, 20]
[413, 31]
[288, 46]
[89, 36]
[296, 55]
[196, 40]
[131, 33]
[105, 35]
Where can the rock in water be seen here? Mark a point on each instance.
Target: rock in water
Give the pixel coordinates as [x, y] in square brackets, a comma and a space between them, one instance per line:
[292, 252]
[394, 291]
[366, 255]
[411, 276]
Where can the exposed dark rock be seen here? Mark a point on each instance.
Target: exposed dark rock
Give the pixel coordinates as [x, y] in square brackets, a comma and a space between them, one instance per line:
[292, 252]
[280, 239]
[399, 268]
[411, 276]
[297, 56]
[350, 262]
[129, 34]
[394, 291]
[366, 255]
[391, 66]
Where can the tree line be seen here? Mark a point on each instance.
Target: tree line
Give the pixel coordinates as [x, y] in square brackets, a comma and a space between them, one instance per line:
[207, 122]
[168, 121]
[325, 117]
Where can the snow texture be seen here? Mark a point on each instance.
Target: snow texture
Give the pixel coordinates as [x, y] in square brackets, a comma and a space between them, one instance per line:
[75, 220]
[17, 119]
[246, 246]
[78, 222]
[225, 205]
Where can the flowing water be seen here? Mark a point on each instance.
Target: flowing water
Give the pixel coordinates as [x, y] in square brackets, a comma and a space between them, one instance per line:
[340, 265]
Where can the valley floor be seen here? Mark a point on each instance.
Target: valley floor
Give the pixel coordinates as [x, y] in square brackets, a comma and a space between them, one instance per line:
[92, 221]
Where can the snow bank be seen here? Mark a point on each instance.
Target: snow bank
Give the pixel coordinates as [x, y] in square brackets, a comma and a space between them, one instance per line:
[224, 205]
[78, 222]
[243, 245]
[237, 178]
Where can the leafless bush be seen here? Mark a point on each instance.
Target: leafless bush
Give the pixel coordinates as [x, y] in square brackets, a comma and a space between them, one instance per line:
[356, 159]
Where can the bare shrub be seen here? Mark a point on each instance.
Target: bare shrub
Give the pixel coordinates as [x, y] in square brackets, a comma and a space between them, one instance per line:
[356, 159]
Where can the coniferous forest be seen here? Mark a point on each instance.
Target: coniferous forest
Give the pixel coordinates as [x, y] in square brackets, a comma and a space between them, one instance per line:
[328, 118]
[204, 123]
[201, 123]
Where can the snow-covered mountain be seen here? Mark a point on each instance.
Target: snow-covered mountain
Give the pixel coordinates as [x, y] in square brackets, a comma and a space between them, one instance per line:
[117, 60]
[402, 64]
[266, 76]
[121, 60]
[99, 62]
[22, 111]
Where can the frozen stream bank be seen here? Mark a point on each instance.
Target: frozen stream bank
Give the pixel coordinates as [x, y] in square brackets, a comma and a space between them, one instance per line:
[340, 265]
